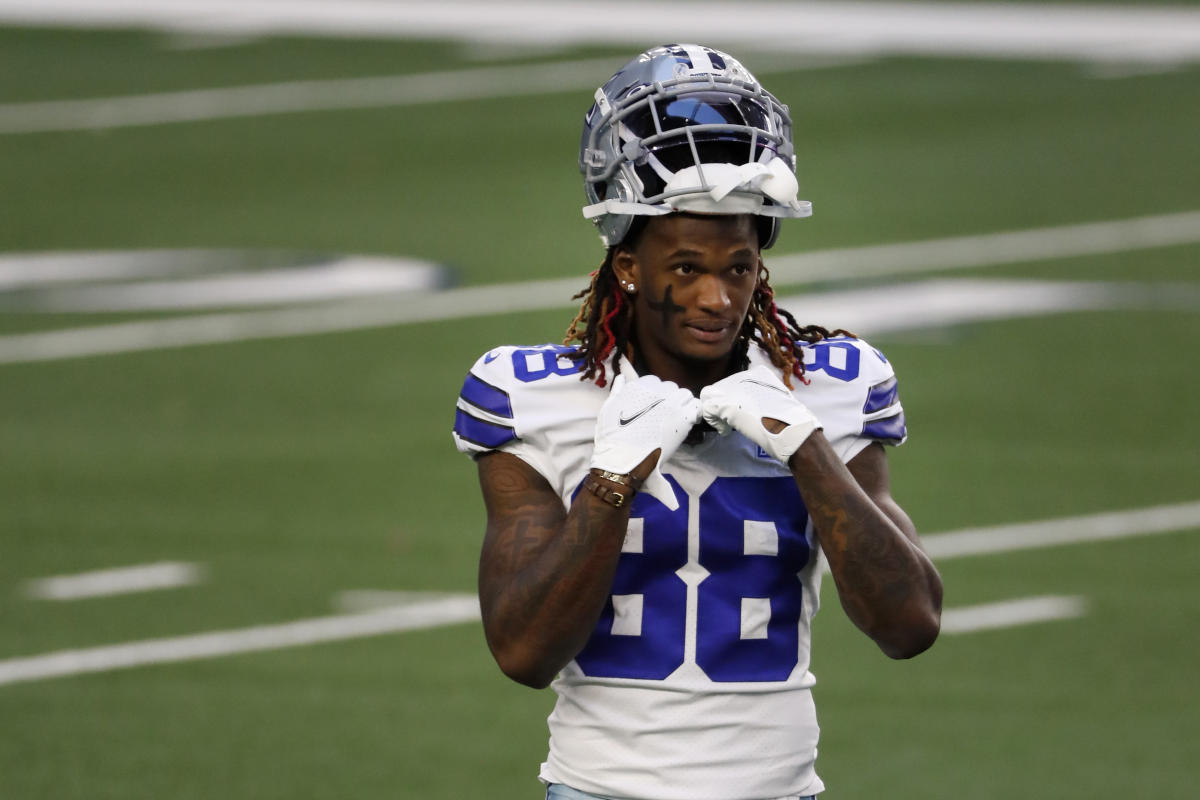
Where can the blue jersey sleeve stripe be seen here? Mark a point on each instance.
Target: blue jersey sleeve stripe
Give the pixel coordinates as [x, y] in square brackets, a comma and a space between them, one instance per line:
[479, 432]
[881, 396]
[888, 429]
[482, 394]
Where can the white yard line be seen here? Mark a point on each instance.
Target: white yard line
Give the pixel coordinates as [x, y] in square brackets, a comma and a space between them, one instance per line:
[989, 249]
[346, 278]
[458, 608]
[1070, 530]
[472, 301]
[973, 30]
[1042, 533]
[35, 270]
[120, 580]
[811, 34]
[280, 98]
[383, 91]
[934, 304]
[1011, 613]
[119, 280]
[427, 611]
[357, 601]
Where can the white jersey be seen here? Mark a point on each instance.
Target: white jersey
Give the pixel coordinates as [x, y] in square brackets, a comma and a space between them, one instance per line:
[695, 684]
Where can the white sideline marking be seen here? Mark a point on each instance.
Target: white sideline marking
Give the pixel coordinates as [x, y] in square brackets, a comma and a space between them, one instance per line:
[387, 617]
[120, 580]
[975, 30]
[457, 608]
[471, 301]
[1069, 530]
[1011, 613]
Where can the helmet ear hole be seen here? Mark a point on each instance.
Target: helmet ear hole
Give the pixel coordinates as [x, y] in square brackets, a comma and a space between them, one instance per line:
[614, 227]
[768, 231]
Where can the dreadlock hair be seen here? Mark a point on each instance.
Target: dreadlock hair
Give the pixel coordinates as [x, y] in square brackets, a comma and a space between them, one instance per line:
[778, 333]
[606, 318]
[605, 321]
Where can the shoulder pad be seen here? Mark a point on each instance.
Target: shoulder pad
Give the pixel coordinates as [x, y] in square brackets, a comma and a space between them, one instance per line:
[854, 382]
[485, 418]
[527, 364]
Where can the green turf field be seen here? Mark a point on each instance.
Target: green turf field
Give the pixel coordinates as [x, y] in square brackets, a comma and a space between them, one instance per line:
[294, 469]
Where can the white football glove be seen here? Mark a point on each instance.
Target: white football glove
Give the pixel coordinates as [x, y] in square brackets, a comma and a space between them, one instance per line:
[741, 402]
[639, 417]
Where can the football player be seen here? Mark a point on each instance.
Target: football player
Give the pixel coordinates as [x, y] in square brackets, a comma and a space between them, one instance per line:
[658, 487]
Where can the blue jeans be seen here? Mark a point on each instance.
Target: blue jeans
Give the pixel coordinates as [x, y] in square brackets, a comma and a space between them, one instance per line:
[559, 791]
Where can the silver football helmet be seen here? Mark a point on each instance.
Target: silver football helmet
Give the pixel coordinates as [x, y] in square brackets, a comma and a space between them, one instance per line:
[684, 127]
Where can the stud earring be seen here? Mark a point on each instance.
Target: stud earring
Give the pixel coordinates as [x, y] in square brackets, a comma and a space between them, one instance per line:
[629, 287]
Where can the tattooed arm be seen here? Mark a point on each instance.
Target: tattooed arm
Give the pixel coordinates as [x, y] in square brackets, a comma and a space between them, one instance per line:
[544, 574]
[887, 585]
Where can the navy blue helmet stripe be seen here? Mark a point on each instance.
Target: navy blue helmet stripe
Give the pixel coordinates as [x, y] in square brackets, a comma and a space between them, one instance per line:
[481, 432]
[881, 396]
[482, 394]
[889, 429]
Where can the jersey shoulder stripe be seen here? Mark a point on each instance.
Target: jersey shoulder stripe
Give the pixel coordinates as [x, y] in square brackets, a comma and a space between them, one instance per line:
[483, 395]
[891, 430]
[882, 395]
[481, 432]
[882, 413]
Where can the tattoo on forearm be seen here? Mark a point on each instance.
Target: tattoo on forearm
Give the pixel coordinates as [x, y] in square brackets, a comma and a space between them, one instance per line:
[875, 565]
[542, 560]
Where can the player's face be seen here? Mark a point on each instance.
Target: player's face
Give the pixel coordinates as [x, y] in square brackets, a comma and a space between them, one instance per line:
[695, 277]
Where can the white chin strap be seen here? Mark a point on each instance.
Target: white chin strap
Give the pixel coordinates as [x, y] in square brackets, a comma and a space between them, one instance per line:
[733, 189]
[725, 189]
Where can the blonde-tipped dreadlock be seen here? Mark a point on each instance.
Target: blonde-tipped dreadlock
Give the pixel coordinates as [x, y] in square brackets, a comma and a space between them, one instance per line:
[605, 320]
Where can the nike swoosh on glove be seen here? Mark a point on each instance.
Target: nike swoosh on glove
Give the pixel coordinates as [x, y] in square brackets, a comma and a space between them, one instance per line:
[639, 417]
[741, 402]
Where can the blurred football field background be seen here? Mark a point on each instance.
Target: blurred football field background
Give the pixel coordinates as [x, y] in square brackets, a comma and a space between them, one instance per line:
[290, 471]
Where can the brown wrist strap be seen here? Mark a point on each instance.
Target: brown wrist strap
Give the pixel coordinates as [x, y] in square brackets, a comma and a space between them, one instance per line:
[618, 496]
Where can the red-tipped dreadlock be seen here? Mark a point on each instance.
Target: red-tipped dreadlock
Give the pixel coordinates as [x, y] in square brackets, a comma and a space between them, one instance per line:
[603, 303]
[607, 320]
